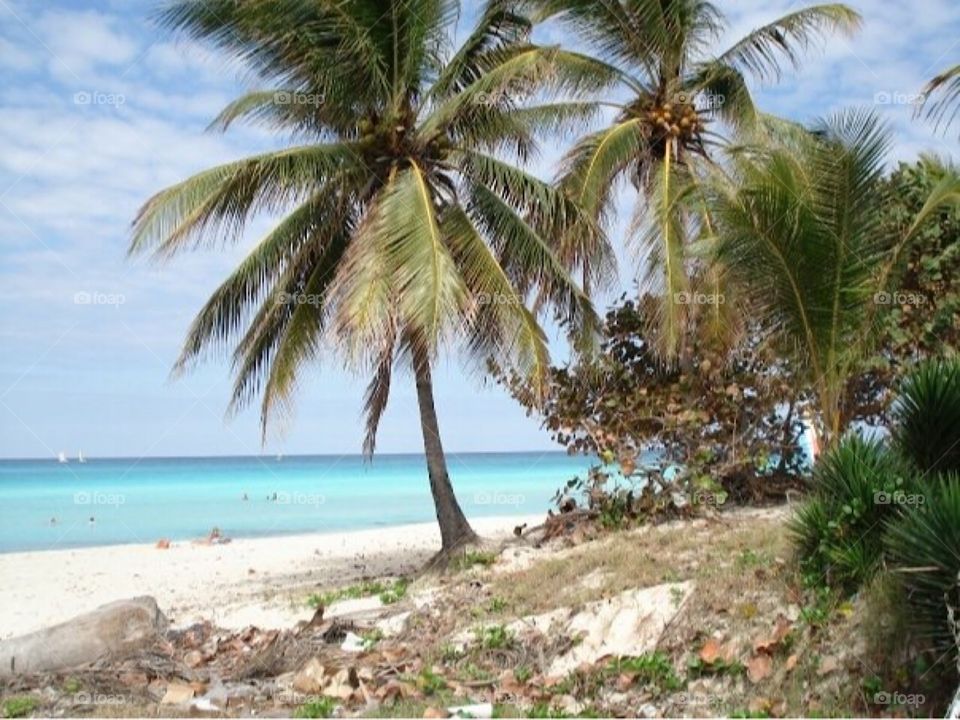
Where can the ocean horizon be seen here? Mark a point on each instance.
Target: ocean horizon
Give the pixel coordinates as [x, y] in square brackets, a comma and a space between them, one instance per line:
[48, 505]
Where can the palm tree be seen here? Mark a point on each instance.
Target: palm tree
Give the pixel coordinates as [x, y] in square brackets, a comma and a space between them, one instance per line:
[945, 109]
[800, 230]
[403, 226]
[660, 139]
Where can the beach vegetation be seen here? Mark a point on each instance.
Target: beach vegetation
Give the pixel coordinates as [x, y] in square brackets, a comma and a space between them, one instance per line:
[829, 183]
[919, 315]
[402, 232]
[678, 85]
[495, 637]
[388, 592]
[926, 416]
[429, 682]
[473, 558]
[924, 553]
[856, 490]
[655, 669]
[19, 706]
[319, 708]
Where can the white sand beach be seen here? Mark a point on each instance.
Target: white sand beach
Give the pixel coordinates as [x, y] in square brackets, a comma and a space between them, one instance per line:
[263, 581]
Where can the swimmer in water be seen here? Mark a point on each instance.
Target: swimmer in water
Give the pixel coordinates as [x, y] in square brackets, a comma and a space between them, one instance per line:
[244, 497]
[92, 521]
[53, 521]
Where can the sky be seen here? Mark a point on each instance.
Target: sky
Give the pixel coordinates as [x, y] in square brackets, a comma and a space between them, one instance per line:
[99, 110]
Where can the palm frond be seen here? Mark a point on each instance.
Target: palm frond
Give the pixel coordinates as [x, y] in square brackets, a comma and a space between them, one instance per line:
[763, 50]
[224, 313]
[218, 203]
[944, 110]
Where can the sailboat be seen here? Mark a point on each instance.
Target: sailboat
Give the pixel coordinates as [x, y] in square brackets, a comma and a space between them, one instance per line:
[61, 457]
[80, 457]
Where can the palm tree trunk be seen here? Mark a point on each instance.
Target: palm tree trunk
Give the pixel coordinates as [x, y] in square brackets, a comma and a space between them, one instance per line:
[455, 531]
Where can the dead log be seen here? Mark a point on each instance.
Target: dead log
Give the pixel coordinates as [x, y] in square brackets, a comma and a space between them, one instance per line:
[111, 632]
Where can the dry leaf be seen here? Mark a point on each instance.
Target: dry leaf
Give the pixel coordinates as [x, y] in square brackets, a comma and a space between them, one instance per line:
[759, 667]
[710, 651]
[432, 712]
[780, 631]
[828, 665]
[792, 662]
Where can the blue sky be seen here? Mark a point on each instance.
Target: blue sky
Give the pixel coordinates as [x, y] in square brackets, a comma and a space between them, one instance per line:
[98, 111]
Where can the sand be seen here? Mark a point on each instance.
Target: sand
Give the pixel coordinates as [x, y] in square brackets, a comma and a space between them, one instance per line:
[262, 581]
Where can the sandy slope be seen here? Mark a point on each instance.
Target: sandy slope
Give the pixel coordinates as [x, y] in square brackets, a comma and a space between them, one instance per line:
[257, 581]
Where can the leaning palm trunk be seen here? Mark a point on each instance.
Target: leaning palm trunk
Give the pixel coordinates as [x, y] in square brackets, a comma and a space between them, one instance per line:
[455, 530]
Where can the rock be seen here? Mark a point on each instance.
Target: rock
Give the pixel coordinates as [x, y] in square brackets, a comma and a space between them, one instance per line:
[112, 632]
[480, 710]
[352, 643]
[393, 624]
[647, 710]
[311, 678]
[163, 544]
[628, 624]
[177, 694]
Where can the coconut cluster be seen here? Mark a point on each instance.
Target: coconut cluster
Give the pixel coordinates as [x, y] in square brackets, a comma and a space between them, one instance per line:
[679, 120]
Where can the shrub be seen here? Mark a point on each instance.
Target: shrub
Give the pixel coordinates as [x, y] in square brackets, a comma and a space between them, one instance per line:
[322, 708]
[927, 416]
[19, 706]
[858, 486]
[923, 547]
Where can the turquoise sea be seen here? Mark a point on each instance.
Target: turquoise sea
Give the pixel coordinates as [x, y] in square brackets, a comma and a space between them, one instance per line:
[45, 504]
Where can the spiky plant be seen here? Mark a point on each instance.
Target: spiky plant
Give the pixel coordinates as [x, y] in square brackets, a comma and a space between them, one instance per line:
[924, 551]
[799, 230]
[926, 416]
[858, 486]
[677, 84]
[404, 222]
[941, 98]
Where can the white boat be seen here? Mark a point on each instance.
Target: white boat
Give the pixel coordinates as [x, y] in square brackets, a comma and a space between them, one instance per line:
[80, 457]
[61, 457]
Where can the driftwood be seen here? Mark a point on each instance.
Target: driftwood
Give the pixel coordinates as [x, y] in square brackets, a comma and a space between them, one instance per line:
[111, 632]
